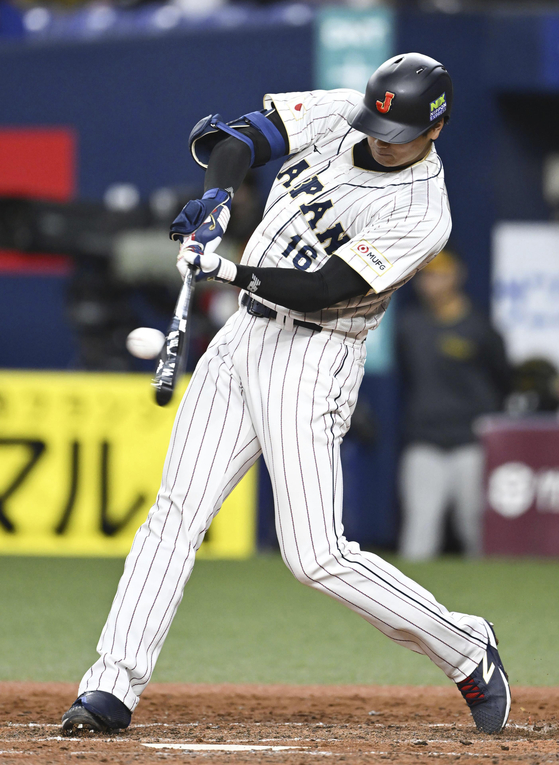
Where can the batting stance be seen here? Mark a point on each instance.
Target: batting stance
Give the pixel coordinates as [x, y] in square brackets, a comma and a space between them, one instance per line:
[358, 207]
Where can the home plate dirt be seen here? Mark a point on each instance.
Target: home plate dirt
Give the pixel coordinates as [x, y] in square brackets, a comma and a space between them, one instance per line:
[291, 725]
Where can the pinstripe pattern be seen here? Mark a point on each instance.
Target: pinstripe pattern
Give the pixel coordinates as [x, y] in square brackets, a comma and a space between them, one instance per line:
[289, 394]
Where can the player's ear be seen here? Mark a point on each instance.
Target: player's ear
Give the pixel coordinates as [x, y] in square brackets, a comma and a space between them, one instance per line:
[435, 131]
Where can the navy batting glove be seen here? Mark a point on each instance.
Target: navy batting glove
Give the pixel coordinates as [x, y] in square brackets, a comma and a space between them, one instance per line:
[208, 216]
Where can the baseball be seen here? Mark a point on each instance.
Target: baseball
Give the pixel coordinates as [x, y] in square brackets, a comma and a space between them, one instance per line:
[145, 342]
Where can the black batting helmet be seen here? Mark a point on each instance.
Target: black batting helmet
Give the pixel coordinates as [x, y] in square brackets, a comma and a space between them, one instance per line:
[406, 96]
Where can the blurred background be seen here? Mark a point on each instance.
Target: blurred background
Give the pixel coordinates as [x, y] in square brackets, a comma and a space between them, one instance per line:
[457, 446]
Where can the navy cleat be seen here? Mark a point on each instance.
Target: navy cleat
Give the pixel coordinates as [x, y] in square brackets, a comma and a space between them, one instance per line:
[97, 711]
[487, 690]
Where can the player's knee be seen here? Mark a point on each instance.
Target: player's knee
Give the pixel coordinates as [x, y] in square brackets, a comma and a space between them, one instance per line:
[332, 559]
[310, 569]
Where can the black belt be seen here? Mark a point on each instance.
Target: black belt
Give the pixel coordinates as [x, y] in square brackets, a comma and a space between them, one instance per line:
[256, 308]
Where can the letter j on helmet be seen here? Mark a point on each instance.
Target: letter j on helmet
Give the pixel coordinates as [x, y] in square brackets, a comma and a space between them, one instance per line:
[384, 106]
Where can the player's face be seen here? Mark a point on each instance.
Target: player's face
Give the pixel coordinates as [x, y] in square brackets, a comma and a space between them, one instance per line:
[396, 154]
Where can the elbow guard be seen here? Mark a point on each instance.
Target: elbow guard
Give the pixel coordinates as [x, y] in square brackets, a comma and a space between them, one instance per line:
[210, 130]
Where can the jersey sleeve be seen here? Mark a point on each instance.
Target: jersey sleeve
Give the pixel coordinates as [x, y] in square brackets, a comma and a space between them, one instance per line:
[310, 115]
[398, 244]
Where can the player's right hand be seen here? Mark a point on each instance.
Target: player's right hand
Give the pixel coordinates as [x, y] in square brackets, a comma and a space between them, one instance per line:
[207, 263]
[206, 219]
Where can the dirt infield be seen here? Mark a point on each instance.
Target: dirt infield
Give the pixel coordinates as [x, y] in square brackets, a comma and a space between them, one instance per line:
[350, 724]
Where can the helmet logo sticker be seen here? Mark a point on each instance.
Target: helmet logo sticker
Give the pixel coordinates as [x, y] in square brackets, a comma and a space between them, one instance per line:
[438, 107]
[384, 106]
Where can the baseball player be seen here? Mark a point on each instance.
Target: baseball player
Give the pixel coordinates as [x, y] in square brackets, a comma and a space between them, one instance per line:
[358, 207]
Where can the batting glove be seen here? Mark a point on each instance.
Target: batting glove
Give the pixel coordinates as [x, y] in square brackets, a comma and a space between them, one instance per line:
[208, 264]
[200, 227]
[206, 218]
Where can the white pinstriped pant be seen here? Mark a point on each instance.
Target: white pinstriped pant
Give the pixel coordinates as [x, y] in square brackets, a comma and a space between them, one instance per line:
[288, 394]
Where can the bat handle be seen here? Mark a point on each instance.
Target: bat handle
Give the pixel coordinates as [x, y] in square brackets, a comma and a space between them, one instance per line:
[189, 243]
[184, 295]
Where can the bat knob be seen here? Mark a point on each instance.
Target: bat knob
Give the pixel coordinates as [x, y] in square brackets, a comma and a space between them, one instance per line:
[163, 394]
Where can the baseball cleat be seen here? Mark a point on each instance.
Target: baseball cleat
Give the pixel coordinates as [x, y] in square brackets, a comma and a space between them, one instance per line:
[96, 711]
[487, 690]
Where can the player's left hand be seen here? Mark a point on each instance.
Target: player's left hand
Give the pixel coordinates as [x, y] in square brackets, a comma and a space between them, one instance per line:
[206, 219]
[208, 264]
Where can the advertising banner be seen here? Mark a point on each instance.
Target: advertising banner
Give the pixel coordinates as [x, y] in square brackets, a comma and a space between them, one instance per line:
[351, 44]
[522, 485]
[81, 456]
[525, 302]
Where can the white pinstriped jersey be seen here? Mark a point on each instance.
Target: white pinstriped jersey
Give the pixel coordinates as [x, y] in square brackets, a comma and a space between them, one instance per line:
[385, 225]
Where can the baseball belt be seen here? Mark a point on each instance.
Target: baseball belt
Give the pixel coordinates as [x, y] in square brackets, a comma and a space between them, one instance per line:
[256, 308]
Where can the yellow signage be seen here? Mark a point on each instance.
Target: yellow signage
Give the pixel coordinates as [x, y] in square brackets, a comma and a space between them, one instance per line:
[81, 456]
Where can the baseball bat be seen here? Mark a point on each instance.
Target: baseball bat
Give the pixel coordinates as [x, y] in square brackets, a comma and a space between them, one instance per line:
[172, 359]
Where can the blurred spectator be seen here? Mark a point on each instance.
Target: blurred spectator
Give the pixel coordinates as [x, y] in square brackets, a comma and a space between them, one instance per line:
[454, 369]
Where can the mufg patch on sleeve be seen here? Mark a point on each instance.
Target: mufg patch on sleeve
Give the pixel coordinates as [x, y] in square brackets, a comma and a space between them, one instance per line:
[438, 107]
[372, 257]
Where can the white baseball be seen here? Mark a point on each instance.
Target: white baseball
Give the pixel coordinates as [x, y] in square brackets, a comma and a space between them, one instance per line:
[145, 342]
